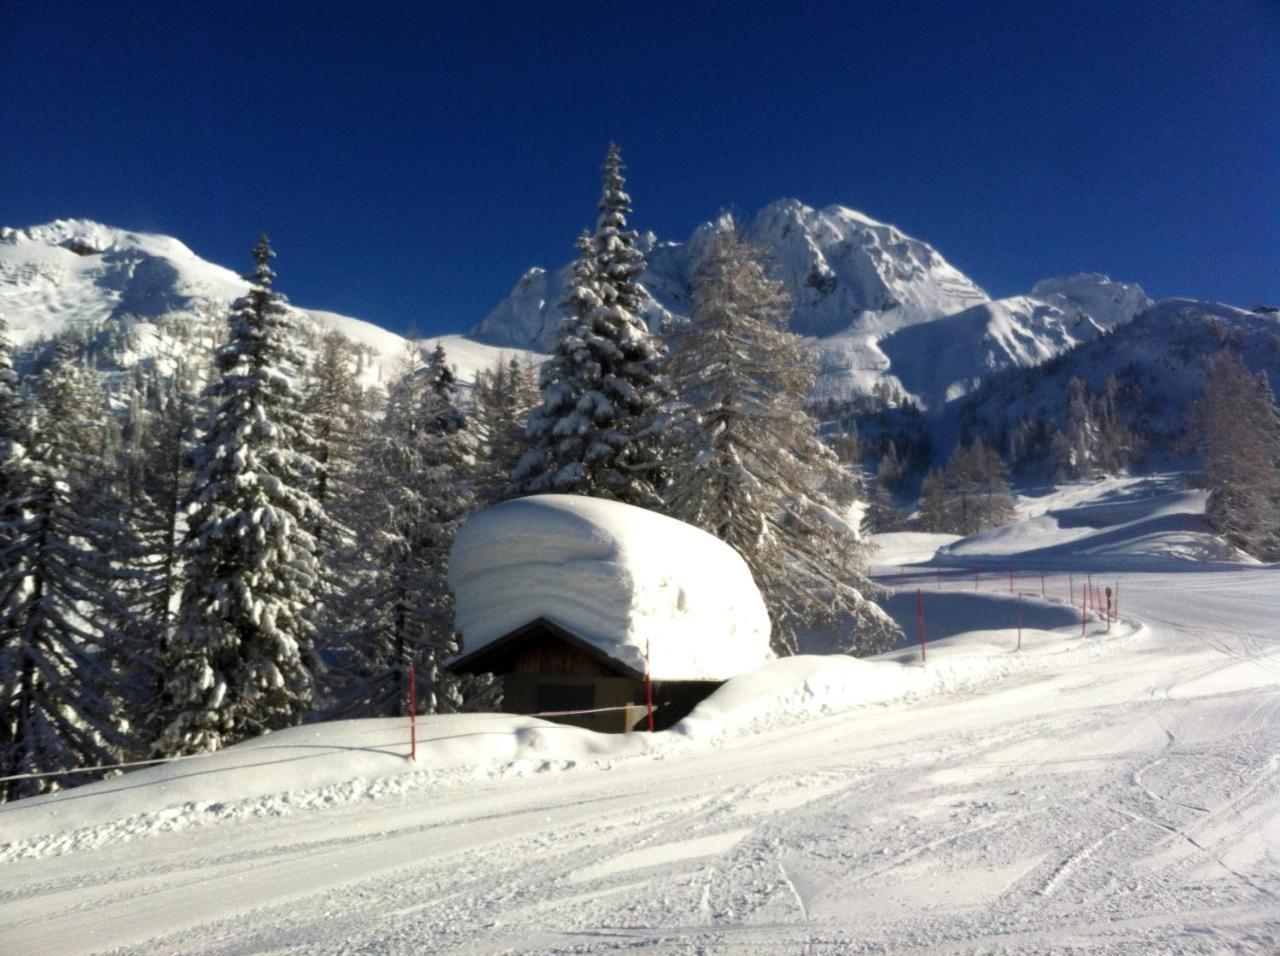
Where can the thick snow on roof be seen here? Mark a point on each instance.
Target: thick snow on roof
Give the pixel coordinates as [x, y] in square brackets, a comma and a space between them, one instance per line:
[615, 575]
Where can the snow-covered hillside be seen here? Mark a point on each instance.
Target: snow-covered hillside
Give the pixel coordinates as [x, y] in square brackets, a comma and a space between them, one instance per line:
[868, 295]
[1107, 793]
[843, 269]
[879, 305]
[74, 272]
[1158, 360]
[950, 357]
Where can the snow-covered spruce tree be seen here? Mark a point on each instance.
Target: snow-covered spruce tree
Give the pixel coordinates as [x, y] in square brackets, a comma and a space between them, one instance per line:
[241, 659]
[882, 515]
[1237, 427]
[502, 399]
[1096, 440]
[66, 654]
[933, 509]
[753, 470]
[14, 468]
[890, 472]
[970, 495]
[595, 432]
[336, 407]
[11, 444]
[153, 476]
[417, 488]
[338, 411]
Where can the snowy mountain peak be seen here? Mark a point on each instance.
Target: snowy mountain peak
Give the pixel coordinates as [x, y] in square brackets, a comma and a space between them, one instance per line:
[840, 263]
[1107, 303]
[844, 270]
[87, 238]
[79, 273]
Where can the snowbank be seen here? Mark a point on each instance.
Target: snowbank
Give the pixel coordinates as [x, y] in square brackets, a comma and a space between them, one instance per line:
[1136, 523]
[301, 768]
[795, 689]
[619, 577]
[897, 548]
[323, 765]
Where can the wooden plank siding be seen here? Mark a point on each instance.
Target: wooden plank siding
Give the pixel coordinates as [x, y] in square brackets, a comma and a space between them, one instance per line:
[544, 653]
[540, 662]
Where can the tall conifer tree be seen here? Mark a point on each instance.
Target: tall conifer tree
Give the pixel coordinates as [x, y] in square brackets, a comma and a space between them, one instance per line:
[594, 433]
[152, 471]
[1237, 427]
[502, 399]
[970, 495]
[64, 651]
[242, 658]
[754, 471]
[418, 488]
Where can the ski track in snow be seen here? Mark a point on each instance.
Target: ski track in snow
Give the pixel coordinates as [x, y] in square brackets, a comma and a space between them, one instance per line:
[1127, 802]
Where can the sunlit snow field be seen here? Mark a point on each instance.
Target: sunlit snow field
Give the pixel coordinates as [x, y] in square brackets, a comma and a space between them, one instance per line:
[1113, 793]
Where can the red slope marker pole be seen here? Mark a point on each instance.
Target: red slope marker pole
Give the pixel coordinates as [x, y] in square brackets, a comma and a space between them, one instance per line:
[413, 724]
[1088, 587]
[1071, 585]
[1019, 647]
[648, 685]
[1117, 599]
[1083, 606]
[920, 621]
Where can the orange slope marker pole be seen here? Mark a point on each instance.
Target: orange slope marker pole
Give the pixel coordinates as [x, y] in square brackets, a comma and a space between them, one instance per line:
[648, 685]
[1019, 647]
[920, 621]
[413, 723]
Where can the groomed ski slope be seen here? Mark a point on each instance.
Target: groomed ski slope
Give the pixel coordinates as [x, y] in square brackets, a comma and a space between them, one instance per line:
[1112, 794]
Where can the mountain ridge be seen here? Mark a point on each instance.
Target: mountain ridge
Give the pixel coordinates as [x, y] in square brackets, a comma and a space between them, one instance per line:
[77, 272]
[856, 283]
[888, 296]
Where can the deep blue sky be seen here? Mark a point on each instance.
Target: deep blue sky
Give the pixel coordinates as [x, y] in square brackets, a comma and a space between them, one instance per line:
[411, 160]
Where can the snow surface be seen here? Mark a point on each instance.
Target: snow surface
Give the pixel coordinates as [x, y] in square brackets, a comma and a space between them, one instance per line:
[1163, 351]
[878, 304]
[75, 271]
[1109, 794]
[1105, 302]
[839, 266]
[620, 577]
[948, 358]
[1139, 523]
[908, 547]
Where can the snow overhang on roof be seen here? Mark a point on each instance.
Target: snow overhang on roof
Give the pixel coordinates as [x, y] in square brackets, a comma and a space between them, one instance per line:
[621, 578]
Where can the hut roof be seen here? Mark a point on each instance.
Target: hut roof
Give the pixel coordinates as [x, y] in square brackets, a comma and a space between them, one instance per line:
[619, 577]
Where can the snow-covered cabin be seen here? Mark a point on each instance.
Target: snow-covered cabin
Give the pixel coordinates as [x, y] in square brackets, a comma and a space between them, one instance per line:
[564, 596]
